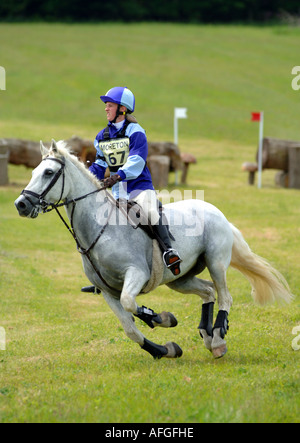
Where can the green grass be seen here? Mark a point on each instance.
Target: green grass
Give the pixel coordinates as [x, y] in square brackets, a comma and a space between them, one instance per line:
[67, 359]
[55, 74]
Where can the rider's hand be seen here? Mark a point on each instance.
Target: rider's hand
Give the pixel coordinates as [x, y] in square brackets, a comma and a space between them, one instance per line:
[111, 181]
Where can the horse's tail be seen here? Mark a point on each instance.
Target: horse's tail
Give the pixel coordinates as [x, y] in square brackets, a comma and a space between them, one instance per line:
[268, 285]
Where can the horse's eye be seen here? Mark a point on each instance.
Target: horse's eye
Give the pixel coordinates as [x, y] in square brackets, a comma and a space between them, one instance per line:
[48, 172]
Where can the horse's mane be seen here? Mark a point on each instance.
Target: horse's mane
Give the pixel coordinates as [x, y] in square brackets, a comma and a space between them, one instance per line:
[65, 151]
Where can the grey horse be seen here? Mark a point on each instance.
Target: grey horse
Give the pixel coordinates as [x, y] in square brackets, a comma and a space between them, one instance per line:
[117, 259]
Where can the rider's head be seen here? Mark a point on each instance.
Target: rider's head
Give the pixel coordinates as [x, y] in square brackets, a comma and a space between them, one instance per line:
[119, 102]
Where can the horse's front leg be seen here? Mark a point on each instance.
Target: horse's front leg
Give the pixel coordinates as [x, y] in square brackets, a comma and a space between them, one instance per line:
[126, 319]
[134, 282]
[170, 350]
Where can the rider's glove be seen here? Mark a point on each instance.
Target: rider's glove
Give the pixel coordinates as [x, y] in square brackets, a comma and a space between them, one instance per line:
[111, 181]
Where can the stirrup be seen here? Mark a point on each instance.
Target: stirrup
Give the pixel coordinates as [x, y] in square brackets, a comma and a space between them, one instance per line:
[172, 261]
[91, 289]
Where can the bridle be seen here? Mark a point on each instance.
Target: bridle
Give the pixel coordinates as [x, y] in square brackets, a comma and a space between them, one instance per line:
[44, 205]
[41, 197]
[47, 207]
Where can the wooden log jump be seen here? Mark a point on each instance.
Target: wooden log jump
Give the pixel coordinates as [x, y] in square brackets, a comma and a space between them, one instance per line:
[27, 153]
[4, 154]
[294, 167]
[282, 155]
[159, 166]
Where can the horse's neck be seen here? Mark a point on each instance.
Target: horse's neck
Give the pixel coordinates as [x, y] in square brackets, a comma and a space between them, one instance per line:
[85, 212]
[78, 179]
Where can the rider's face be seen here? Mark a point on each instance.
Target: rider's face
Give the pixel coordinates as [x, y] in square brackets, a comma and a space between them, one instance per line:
[110, 109]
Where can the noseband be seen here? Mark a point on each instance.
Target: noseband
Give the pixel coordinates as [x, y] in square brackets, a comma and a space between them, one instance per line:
[40, 197]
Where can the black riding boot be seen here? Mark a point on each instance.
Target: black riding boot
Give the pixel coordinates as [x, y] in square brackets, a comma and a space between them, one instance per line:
[171, 257]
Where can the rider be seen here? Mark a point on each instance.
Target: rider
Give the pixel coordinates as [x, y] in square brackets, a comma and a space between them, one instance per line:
[122, 147]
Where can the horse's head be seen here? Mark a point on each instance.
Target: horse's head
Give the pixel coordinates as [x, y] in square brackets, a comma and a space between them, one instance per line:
[47, 185]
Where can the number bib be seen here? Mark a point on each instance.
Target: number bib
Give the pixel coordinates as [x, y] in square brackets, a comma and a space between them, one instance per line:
[115, 151]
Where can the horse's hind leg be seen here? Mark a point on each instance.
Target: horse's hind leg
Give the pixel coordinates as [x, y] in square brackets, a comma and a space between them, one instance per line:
[218, 274]
[206, 324]
[205, 289]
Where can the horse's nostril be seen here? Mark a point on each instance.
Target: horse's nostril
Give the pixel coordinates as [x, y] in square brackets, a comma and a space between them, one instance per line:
[21, 205]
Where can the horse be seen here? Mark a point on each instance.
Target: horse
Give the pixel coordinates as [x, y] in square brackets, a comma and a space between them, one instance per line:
[118, 259]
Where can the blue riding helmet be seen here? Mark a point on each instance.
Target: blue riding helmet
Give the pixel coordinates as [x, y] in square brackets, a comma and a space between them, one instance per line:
[121, 96]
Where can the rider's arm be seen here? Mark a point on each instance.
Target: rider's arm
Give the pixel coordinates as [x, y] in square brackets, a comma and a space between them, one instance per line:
[99, 167]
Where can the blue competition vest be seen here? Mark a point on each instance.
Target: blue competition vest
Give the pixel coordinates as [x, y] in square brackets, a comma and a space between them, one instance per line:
[116, 152]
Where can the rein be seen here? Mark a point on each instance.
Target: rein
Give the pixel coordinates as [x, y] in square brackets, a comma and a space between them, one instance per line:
[80, 249]
[48, 207]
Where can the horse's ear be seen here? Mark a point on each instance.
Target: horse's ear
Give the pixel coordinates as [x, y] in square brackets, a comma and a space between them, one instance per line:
[53, 146]
[44, 150]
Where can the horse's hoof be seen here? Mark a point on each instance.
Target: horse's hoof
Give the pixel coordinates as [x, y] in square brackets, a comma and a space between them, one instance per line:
[220, 351]
[168, 320]
[174, 351]
[206, 338]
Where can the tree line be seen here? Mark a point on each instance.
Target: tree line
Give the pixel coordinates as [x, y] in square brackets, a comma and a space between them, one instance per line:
[180, 11]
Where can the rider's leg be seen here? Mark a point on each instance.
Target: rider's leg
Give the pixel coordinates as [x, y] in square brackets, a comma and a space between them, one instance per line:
[171, 257]
[149, 203]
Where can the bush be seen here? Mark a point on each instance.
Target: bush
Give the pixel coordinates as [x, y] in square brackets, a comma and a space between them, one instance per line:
[194, 11]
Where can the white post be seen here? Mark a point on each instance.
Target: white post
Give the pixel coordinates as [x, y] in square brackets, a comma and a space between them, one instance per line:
[178, 113]
[260, 148]
[175, 128]
[2, 79]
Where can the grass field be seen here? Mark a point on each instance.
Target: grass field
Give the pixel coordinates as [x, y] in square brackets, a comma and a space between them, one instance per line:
[66, 358]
